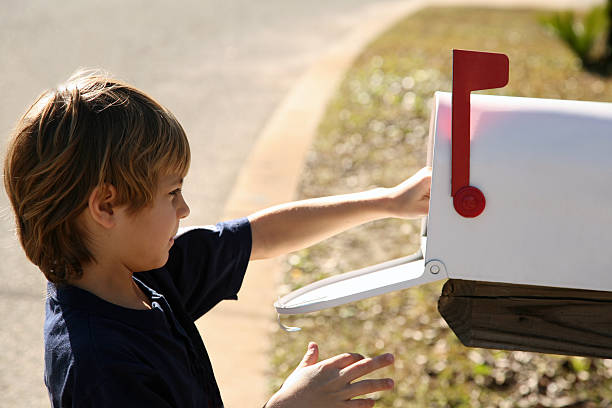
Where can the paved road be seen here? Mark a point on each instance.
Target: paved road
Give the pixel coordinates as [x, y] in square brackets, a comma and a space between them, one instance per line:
[220, 65]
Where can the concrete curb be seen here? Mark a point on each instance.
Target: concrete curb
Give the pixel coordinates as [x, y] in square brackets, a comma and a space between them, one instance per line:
[270, 176]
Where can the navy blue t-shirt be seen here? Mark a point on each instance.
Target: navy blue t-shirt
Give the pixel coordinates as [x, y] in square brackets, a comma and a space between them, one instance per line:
[98, 354]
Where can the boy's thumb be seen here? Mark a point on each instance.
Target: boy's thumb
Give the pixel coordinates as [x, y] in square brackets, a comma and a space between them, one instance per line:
[311, 356]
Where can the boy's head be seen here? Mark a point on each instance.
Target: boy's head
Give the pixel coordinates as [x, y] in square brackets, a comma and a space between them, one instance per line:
[92, 131]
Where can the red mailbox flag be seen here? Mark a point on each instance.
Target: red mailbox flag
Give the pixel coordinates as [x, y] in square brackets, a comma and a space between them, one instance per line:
[472, 71]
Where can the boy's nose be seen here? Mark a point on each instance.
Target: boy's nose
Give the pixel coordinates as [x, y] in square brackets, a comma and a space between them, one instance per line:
[183, 210]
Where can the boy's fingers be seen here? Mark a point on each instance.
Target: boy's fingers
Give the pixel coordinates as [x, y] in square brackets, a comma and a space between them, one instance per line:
[424, 173]
[311, 356]
[368, 386]
[343, 360]
[365, 366]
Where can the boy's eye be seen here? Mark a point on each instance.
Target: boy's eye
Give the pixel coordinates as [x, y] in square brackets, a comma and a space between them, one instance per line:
[175, 192]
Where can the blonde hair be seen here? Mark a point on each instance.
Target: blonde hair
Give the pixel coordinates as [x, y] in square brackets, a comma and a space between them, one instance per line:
[91, 131]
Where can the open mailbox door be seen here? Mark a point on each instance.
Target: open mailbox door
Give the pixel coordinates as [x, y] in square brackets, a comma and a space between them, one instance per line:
[520, 211]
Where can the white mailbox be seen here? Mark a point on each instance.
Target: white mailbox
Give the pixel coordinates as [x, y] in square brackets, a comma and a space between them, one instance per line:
[521, 193]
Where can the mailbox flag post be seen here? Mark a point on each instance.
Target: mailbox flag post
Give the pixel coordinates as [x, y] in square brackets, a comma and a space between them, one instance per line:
[472, 71]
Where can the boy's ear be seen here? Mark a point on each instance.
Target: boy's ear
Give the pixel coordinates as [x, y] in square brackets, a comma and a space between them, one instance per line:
[101, 204]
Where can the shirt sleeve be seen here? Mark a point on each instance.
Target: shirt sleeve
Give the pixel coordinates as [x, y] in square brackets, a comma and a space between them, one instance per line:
[207, 264]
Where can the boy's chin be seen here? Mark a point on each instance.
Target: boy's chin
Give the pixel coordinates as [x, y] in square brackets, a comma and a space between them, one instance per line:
[155, 264]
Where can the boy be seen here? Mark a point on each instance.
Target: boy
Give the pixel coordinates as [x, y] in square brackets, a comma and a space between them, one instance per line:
[94, 172]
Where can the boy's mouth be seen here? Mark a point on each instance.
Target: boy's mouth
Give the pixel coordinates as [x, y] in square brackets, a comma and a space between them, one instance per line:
[174, 234]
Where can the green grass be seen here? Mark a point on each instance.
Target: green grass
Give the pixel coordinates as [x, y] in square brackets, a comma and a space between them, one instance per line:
[373, 134]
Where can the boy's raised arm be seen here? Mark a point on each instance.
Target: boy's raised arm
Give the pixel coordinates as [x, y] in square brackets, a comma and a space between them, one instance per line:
[292, 226]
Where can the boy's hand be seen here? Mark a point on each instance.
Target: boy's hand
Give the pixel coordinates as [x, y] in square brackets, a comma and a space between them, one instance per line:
[331, 383]
[410, 199]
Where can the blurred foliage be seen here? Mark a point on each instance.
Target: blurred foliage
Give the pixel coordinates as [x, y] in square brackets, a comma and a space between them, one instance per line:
[590, 36]
[373, 134]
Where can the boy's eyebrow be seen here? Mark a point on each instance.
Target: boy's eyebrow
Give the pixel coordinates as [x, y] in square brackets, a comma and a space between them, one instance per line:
[176, 180]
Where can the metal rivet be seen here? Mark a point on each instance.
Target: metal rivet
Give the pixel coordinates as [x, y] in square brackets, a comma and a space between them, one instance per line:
[470, 203]
[434, 269]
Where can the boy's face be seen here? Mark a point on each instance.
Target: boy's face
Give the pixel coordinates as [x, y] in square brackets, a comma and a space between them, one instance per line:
[144, 238]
